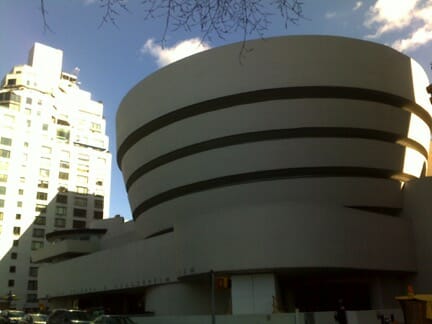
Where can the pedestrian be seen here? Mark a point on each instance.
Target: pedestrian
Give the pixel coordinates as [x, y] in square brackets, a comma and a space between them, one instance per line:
[340, 315]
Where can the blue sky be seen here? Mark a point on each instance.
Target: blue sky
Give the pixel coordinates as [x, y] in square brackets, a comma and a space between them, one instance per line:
[113, 59]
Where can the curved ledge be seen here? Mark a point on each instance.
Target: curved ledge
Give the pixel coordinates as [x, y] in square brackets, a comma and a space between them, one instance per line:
[336, 171]
[318, 132]
[73, 232]
[270, 95]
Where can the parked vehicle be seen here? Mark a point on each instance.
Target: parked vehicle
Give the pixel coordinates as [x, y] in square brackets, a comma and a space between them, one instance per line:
[34, 319]
[13, 316]
[113, 319]
[3, 319]
[68, 316]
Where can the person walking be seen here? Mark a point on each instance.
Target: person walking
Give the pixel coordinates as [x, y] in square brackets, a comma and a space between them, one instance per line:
[340, 315]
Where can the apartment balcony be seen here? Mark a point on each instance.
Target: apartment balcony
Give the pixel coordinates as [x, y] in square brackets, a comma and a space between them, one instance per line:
[68, 244]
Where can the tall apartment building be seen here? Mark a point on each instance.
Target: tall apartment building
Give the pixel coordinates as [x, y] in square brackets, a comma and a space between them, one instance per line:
[54, 165]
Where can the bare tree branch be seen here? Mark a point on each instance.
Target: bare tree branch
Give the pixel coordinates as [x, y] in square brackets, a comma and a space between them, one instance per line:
[44, 18]
[210, 17]
[110, 11]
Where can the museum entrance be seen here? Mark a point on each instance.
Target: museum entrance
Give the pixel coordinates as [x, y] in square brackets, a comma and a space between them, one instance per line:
[320, 293]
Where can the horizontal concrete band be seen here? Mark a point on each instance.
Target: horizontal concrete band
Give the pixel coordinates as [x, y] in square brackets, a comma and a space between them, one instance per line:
[318, 132]
[268, 175]
[336, 92]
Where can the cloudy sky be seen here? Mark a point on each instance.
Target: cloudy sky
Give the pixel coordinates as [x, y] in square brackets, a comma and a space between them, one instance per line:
[112, 58]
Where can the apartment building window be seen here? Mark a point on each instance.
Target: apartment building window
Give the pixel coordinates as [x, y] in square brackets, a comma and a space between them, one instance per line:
[18, 216]
[17, 230]
[10, 96]
[82, 190]
[97, 214]
[40, 220]
[84, 157]
[61, 211]
[19, 204]
[80, 201]
[1, 215]
[2, 190]
[38, 232]
[28, 121]
[31, 298]
[29, 101]
[41, 208]
[63, 199]
[11, 82]
[79, 212]
[98, 203]
[99, 183]
[43, 184]
[42, 195]
[78, 224]
[44, 127]
[11, 283]
[95, 127]
[63, 175]
[44, 173]
[63, 134]
[27, 111]
[3, 177]
[84, 168]
[32, 285]
[20, 192]
[12, 269]
[60, 222]
[33, 271]
[2, 203]
[64, 164]
[4, 153]
[15, 243]
[35, 245]
[14, 255]
[6, 141]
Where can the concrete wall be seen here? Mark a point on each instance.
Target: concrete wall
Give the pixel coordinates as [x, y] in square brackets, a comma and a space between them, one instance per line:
[418, 208]
[138, 264]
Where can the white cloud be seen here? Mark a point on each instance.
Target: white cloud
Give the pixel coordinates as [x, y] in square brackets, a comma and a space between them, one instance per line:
[419, 37]
[412, 18]
[358, 5]
[89, 2]
[330, 15]
[180, 50]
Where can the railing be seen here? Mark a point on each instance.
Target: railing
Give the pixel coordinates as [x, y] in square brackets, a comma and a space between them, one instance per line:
[354, 317]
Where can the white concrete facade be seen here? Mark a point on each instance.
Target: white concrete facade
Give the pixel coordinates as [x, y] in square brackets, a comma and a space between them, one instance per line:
[290, 167]
[54, 168]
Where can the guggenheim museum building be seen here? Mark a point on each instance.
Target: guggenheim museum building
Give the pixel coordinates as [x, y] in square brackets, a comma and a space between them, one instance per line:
[286, 179]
